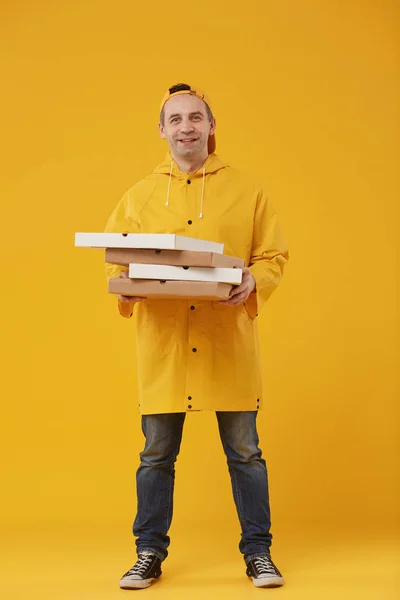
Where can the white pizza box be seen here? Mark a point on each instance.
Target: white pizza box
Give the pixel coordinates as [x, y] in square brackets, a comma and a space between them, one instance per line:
[190, 258]
[162, 241]
[167, 272]
[170, 290]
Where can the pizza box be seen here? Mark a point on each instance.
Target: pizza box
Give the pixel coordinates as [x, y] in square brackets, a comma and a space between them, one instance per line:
[169, 290]
[167, 272]
[157, 241]
[189, 258]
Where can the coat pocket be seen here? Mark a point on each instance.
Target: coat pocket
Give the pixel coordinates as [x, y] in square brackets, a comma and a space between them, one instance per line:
[230, 311]
[251, 306]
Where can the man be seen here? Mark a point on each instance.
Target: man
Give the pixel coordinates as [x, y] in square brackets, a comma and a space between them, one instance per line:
[200, 355]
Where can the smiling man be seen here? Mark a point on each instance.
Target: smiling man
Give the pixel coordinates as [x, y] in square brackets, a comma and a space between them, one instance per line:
[188, 124]
[201, 355]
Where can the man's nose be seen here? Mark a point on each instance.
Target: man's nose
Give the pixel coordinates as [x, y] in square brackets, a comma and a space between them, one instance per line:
[186, 126]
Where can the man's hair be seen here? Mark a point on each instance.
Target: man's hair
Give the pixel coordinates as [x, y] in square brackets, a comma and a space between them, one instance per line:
[180, 87]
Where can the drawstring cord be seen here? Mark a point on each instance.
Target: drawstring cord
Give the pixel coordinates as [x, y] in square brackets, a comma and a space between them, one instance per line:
[169, 183]
[202, 194]
[202, 189]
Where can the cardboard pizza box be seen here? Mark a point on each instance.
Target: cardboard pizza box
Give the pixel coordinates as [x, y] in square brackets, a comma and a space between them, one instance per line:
[189, 258]
[162, 272]
[157, 241]
[181, 290]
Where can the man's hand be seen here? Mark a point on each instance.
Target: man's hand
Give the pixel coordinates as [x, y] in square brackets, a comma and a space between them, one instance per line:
[126, 303]
[240, 293]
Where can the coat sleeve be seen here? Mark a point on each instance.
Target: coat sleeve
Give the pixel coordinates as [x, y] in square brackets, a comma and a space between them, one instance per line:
[269, 254]
[120, 221]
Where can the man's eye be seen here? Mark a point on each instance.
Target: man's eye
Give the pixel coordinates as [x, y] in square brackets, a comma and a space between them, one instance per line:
[175, 120]
[196, 118]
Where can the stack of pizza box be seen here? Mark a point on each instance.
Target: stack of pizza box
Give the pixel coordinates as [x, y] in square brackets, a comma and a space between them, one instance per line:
[167, 265]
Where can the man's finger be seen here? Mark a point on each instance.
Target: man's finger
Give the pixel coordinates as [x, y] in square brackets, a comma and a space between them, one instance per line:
[131, 298]
[237, 290]
[238, 300]
[235, 300]
[242, 286]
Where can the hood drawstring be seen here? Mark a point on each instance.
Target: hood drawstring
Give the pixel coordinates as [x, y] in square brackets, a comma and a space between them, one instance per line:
[202, 189]
[202, 193]
[169, 183]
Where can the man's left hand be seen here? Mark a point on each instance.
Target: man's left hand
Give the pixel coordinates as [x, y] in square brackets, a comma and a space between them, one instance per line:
[240, 293]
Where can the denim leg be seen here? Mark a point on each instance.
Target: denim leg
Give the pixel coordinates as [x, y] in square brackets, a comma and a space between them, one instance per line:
[155, 481]
[249, 479]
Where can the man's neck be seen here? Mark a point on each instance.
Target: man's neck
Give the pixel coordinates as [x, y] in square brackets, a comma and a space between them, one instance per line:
[190, 164]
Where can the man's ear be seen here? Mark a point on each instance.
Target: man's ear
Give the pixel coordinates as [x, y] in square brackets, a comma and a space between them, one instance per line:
[161, 130]
[213, 126]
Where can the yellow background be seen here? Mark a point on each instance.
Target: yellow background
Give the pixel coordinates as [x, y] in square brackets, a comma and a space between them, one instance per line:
[305, 97]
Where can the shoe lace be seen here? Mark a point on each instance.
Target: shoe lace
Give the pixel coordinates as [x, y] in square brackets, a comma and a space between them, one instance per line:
[264, 564]
[143, 562]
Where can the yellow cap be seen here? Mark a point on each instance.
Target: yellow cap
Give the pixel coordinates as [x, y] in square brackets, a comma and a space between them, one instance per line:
[176, 90]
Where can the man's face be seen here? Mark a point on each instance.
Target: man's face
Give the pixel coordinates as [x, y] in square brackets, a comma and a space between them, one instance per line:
[186, 125]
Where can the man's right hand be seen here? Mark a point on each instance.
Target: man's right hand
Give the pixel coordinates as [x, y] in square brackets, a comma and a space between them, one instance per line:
[126, 303]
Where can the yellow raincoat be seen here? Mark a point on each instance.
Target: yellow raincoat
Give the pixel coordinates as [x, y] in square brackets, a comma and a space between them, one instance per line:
[201, 355]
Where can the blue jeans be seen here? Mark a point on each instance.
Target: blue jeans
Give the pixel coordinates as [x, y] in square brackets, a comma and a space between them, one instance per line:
[156, 474]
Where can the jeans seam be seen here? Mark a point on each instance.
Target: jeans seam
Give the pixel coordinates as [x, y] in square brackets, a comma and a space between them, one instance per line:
[168, 512]
[239, 497]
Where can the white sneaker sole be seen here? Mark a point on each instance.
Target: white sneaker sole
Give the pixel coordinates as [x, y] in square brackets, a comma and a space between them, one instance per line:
[136, 584]
[268, 581]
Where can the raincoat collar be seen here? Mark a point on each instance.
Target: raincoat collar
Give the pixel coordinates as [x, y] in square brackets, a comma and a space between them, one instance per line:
[212, 164]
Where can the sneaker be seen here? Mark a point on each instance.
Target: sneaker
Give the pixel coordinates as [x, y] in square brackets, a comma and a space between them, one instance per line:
[263, 572]
[146, 570]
